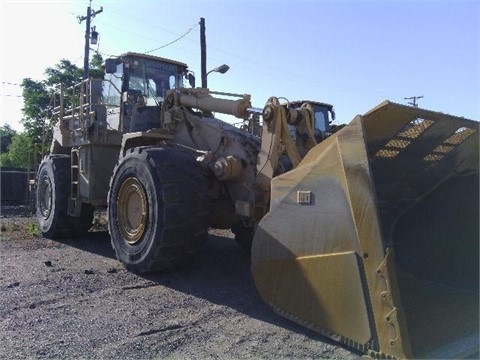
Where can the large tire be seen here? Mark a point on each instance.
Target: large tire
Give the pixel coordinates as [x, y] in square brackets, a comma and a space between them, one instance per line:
[158, 209]
[52, 193]
[53, 189]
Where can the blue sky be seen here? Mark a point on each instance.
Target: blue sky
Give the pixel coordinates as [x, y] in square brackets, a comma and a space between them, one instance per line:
[352, 54]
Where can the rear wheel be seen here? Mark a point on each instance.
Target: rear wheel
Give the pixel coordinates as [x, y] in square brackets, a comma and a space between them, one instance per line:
[158, 209]
[52, 196]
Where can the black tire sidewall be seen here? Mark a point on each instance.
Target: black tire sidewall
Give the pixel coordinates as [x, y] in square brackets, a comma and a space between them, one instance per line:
[138, 256]
[52, 226]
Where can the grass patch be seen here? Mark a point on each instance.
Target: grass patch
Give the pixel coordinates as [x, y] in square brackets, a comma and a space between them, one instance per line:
[33, 230]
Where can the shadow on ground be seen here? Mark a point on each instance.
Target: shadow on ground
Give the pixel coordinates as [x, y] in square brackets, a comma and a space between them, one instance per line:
[221, 276]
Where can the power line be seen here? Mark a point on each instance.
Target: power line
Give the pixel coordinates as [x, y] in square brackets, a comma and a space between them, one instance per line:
[161, 47]
[277, 72]
[140, 35]
[104, 54]
[9, 83]
[140, 20]
[174, 41]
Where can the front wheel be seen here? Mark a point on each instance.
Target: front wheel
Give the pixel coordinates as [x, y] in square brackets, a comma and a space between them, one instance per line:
[158, 209]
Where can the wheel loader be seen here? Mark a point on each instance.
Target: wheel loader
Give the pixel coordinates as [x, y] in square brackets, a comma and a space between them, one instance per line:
[368, 235]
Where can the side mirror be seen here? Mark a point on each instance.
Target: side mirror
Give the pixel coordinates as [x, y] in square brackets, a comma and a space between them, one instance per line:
[110, 66]
[191, 80]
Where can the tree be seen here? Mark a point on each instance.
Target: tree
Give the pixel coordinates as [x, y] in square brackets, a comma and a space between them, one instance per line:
[97, 69]
[6, 135]
[20, 151]
[5, 160]
[64, 73]
[38, 95]
[36, 99]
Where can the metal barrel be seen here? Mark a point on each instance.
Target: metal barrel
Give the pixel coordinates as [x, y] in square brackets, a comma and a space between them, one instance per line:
[373, 240]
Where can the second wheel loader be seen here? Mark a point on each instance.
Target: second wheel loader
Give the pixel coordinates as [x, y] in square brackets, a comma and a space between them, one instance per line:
[368, 235]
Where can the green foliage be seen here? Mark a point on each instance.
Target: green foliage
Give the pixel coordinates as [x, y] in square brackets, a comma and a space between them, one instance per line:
[36, 100]
[37, 96]
[64, 73]
[18, 149]
[21, 151]
[6, 135]
[96, 66]
[5, 160]
[33, 230]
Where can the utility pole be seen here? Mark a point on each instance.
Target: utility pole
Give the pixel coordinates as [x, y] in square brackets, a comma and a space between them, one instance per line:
[414, 98]
[203, 53]
[90, 15]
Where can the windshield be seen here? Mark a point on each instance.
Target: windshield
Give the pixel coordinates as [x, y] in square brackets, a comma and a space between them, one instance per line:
[112, 87]
[152, 78]
[321, 119]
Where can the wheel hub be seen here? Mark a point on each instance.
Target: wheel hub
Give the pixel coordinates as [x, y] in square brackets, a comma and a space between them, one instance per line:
[132, 210]
[46, 197]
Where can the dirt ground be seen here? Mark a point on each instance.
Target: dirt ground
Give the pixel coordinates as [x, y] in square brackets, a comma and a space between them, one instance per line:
[72, 299]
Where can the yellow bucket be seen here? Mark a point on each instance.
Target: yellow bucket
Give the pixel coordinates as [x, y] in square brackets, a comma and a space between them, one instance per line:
[373, 240]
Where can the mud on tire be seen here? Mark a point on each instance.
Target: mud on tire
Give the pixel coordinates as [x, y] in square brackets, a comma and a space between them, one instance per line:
[158, 210]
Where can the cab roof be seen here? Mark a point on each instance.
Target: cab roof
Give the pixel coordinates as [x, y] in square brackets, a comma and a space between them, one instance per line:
[299, 103]
[155, 58]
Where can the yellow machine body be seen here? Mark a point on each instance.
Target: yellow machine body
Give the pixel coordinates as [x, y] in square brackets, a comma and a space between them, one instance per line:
[373, 239]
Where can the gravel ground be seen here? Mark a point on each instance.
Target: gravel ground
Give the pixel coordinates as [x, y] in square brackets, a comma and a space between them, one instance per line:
[72, 299]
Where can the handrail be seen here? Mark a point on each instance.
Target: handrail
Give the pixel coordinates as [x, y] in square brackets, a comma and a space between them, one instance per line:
[79, 100]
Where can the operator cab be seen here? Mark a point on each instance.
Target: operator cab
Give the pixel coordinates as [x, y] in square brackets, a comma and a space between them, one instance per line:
[134, 88]
[324, 116]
